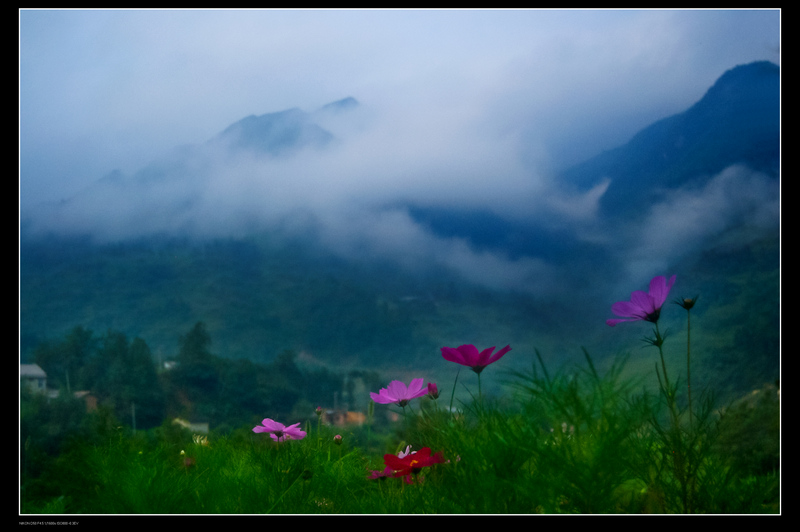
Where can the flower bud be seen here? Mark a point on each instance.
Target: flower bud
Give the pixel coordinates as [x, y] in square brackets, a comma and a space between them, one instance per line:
[433, 391]
[687, 302]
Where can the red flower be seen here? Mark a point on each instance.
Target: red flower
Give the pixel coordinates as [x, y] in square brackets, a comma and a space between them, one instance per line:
[412, 462]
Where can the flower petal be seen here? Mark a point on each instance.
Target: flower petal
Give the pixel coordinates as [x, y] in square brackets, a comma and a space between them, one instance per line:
[483, 357]
[414, 388]
[382, 398]
[627, 309]
[497, 356]
[453, 355]
[659, 289]
[397, 390]
[272, 426]
[644, 301]
[470, 354]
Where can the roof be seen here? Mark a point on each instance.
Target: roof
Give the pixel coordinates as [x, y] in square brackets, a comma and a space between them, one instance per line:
[32, 371]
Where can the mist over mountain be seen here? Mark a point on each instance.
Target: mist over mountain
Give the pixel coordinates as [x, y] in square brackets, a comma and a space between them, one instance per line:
[355, 236]
[275, 133]
[737, 122]
[735, 125]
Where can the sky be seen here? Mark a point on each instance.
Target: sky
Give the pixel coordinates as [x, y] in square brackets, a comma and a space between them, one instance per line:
[462, 107]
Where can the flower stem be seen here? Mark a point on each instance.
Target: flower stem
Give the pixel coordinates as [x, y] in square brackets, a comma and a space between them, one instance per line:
[689, 362]
[667, 387]
[661, 354]
[454, 390]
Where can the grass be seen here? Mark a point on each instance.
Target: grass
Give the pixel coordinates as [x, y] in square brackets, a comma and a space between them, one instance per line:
[575, 442]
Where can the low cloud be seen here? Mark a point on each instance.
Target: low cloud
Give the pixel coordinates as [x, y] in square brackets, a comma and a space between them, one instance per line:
[352, 197]
[735, 208]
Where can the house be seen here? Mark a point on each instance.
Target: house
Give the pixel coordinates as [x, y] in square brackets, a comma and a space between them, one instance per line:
[343, 418]
[199, 428]
[88, 398]
[33, 377]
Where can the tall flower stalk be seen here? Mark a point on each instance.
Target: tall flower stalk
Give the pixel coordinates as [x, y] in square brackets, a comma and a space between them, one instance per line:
[688, 303]
[646, 306]
[683, 448]
[666, 387]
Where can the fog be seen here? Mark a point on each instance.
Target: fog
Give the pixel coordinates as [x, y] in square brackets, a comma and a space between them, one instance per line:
[457, 108]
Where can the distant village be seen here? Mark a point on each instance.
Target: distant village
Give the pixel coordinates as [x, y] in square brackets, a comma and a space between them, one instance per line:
[34, 379]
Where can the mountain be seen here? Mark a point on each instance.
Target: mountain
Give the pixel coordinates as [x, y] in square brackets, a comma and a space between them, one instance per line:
[284, 132]
[339, 106]
[276, 288]
[275, 133]
[736, 122]
[172, 194]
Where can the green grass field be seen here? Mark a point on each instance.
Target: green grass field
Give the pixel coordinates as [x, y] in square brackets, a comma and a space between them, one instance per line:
[575, 442]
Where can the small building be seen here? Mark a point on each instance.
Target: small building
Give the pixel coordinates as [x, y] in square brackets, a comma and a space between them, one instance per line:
[88, 398]
[198, 428]
[343, 418]
[33, 377]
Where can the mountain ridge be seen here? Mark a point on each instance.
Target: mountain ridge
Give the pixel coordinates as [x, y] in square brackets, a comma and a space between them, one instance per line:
[259, 299]
[736, 121]
[684, 149]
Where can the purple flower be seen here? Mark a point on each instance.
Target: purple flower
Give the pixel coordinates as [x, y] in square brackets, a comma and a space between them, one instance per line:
[279, 432]
[468, 355]
[397, 392]
[643, 306]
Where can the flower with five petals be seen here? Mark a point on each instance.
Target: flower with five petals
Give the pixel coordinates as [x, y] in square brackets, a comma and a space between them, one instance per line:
[400, 394]
[468, 355]
[643, 305]
[279, 432]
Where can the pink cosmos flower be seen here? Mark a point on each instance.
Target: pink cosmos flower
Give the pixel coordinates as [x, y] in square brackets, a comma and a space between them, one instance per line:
[468, 355]
[643, 305]
[279, 432]
[398, 393]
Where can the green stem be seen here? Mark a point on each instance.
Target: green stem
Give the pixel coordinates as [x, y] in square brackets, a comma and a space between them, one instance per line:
[667, 387]
[661, 354]
[689, 362]
[454, 390]
[284, 493]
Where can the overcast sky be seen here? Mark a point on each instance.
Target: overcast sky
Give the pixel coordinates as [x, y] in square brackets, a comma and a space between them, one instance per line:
[104, 90]
[468, 107]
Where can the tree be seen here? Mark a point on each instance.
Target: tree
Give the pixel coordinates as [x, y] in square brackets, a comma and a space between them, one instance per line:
[68, 362]
[148, 395]
[197, 374]
[128, 380]
[194, 346]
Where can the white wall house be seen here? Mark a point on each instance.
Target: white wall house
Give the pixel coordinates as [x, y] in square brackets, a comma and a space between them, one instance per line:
[34, 377]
